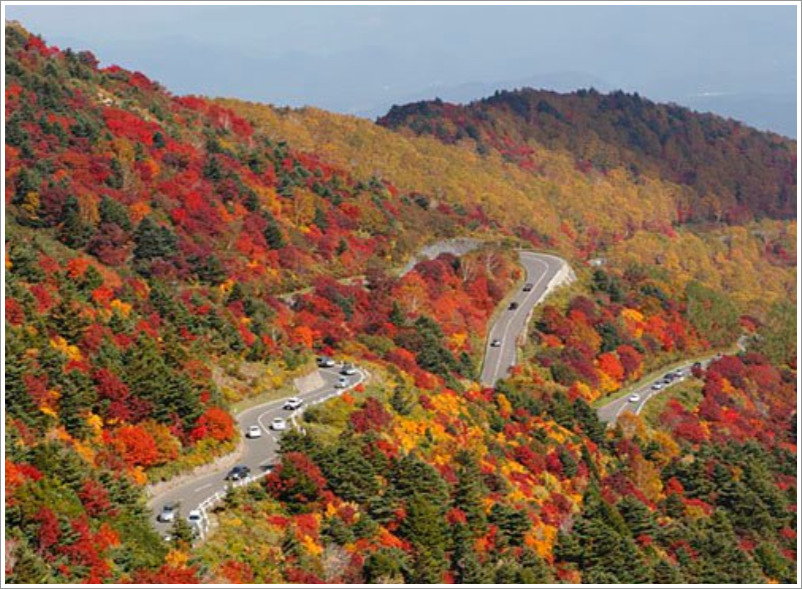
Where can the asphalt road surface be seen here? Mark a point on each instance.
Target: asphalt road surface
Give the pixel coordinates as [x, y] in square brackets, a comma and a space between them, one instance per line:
[610, 412]
[510, 324]
[259, 453]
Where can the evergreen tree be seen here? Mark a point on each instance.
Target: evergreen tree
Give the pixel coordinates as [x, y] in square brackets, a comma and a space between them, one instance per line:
[470, 492]
[77, 398]
[424, 527]
[212, 170]
[512, 524]
[19, 403]
[73, 232]
[181, 532]
[464, 561]
[274, 236]
[665, 573]
[294, 441]
[116, 179]
[348, 473]
[386, 565]
[153, 241]
[29, 568]
[589, 421]
[637, 516]
[114, 212]
[401, 401]
[320, 220]
[774, 564]
[534, 569]
[412, 476]
[397, 316]
[68, 320]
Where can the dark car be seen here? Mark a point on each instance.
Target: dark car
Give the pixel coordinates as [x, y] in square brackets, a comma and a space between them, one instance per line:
[238, 473]
[513, 306]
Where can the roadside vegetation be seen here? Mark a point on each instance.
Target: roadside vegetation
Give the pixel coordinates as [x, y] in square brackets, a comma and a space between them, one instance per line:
[151, 241]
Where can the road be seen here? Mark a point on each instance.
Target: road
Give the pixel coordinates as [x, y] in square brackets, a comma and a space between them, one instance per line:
[610, 412]
[259, 454]
[540, 269]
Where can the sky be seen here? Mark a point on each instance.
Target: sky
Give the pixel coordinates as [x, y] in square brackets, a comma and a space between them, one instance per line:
[738, 61]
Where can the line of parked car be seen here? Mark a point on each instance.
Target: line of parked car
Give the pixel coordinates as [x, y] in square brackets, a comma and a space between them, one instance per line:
[170, 511]
[659, 385]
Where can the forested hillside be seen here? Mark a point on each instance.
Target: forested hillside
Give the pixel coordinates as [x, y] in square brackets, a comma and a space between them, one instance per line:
[732, 172]
[167, 257]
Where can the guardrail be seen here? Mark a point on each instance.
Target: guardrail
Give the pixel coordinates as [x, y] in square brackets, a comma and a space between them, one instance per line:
[209, 502]
[204, 506]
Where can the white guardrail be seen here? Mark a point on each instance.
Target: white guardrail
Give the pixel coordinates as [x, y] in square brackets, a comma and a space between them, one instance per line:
[204, 506]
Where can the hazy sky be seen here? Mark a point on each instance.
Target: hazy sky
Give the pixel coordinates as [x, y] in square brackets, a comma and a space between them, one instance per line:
[737, 60]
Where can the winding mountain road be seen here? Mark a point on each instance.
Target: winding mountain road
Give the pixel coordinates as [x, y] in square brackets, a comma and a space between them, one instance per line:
[610, 412]
[645, 391]
[259, 454]
[543, 272]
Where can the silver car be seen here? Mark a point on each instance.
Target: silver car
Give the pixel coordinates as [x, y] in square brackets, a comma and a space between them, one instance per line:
[168, 513]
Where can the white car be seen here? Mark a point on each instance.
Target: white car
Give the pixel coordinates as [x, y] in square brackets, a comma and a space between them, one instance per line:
[342, 382]
[325, 362]
[348, 369]
[496, 343]
[278, 424]
[195, 516]
[293, 403]
[634, 398]
[657, 386]
[254, 432]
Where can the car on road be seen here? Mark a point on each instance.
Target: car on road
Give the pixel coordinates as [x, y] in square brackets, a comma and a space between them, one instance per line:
[528, 286]
[669, 376]
[293, 403]
[238, 473]
[325, 362]
[168, 513]
[513, 306]
[348, 369]
[195, 516]
[634, 398]
[278, 424]
[254, 432]
[342, 382]
[657, 386]
[496, 343]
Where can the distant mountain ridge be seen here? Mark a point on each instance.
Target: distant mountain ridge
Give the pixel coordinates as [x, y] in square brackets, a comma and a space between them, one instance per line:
[734, 172]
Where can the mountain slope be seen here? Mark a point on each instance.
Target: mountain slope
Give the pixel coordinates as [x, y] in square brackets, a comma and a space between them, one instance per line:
[734, 173]
[151, 240]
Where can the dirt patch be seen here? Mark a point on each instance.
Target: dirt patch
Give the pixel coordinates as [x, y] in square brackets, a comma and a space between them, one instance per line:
[309, 382]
